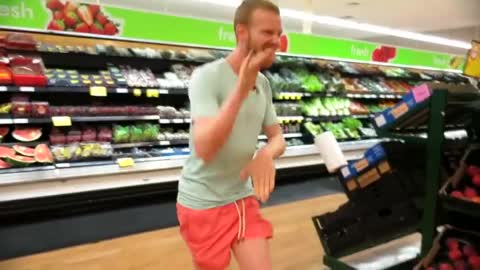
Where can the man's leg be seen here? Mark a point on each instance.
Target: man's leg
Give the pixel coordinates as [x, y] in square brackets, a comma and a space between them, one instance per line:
[253, 254]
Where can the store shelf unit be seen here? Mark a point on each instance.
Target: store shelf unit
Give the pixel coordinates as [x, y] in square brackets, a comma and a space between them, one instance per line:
[98, 61]
[446, 106]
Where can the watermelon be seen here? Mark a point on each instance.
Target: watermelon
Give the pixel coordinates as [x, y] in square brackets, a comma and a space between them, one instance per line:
[6, 152]
[4, 165]
[43, 154]
[27, 134]
[4, 131]
[20, 161]
[23, 150]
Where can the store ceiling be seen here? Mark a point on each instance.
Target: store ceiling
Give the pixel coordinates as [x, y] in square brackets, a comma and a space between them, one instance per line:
[413, 15]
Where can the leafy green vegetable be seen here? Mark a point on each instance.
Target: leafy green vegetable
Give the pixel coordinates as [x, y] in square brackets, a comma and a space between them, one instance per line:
[352, 123]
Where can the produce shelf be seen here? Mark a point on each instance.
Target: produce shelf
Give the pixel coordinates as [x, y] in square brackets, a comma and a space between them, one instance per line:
[360, 94]
[147, 144]
[86, 90]
[9, 121]
[337, 117]
[286, 135]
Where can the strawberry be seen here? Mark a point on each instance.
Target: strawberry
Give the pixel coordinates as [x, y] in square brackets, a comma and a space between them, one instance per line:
[97, 29]
[82, 28]
[58, 15]
[71, 18]
[101, 18]
[57, 25]
[470, 192]
[84, 14]
[54, 4]
[110, 29]
[455, 255]
[94, 9]
[70, 6]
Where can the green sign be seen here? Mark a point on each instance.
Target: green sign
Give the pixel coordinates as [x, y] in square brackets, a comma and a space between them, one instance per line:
[59, 15]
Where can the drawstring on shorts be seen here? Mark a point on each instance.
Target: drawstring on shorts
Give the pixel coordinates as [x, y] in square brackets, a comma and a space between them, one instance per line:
[241, 220]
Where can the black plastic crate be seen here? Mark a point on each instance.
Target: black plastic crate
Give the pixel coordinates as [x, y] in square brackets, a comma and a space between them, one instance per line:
[388, 220]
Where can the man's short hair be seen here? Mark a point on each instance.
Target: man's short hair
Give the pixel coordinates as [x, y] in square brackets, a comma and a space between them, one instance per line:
[244, 12]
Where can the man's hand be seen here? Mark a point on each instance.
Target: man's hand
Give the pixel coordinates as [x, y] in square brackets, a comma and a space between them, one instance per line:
[249, 69]
[262, 171]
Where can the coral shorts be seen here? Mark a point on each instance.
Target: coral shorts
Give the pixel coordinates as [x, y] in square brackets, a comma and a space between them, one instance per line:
[211, 233]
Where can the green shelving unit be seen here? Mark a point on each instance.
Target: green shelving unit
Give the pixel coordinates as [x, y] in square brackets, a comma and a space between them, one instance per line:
[449, 106]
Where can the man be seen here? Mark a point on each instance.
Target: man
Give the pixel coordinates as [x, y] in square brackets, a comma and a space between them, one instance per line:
[231, 104]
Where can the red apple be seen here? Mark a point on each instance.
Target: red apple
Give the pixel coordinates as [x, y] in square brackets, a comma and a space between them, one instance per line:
[469, 251]
[470, 192]
[455, 255]
[457, 194]
[452, 244]
[476, 180]
[473, 170]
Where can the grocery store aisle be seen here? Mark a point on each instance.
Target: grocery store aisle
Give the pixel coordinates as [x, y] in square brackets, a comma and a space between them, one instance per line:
[295, 245]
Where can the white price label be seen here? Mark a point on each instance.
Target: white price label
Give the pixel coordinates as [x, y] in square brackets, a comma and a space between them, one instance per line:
[380, 121]
[26, 89]
[382, 96]
[6, 121]
[122, 90]
[178, 121]
[20, 121]
[345, 172]
[188, 120]
[163, 91]
[165, 121]
[164, 142]
[3, 88]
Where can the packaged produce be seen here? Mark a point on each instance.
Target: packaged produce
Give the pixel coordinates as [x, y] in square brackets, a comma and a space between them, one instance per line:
[74, 136]
[57, 137]
[28, 71]
[21, 109]
[105, 134]
[5, 75]
[89, 134]
[136, 134]
[42, 154]
[64, 153]
[121, 134]
[40, 109]
[27, 134]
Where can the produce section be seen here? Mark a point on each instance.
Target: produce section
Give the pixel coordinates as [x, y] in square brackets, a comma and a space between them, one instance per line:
[130, 100]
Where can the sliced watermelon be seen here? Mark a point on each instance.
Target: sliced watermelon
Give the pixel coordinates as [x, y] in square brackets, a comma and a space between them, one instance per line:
[27, 134]
[6, 152]
[4, 131]
[20, 161]
[23, 150]
[43, 154]
[4, 165]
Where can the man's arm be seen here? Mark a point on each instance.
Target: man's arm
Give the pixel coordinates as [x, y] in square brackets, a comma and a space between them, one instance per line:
[212, 123]
[276, 143]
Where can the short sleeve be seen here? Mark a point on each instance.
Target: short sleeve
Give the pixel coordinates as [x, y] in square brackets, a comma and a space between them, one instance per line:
[202, 94]
[270, 117]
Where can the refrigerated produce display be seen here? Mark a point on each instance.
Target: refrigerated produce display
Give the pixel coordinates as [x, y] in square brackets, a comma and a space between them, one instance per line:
[94, 103]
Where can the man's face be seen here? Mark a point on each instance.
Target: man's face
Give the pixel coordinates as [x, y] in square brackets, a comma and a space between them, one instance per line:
[264, 31]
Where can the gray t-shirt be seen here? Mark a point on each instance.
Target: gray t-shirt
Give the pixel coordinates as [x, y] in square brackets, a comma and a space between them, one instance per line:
[218, 183]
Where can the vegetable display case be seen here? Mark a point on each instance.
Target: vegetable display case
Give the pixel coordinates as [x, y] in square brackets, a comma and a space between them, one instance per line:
[110, 109]
[446, 234]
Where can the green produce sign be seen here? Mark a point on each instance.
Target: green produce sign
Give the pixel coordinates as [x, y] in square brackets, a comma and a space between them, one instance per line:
[70, 16]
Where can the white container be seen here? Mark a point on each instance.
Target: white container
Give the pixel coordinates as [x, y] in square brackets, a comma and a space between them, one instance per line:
[330, 151]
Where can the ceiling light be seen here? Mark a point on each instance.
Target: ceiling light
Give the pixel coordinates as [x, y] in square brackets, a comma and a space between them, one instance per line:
[342, 23]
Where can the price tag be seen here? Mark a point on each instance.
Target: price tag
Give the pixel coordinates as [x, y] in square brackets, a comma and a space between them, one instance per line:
[164, 121]
[137, 92]
[382, 96]
[3, 88]
[177, 121]
[188, 120]
[125, 162]
[164, 142]
[61, 121]
[20, 121]
[152, 93]
[122, 90]
[163, 91]
[98, 91]
[26, 89]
